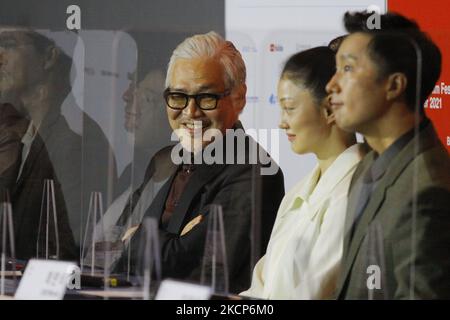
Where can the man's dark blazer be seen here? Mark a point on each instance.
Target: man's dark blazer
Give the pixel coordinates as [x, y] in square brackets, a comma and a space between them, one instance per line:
[83, 163]
[240, 189]
[403, 234]
[12, 124]
[26, 199]
[58, 153]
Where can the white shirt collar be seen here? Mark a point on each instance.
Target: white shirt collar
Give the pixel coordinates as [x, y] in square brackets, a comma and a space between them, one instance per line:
[30, 134]
[27, 140]
[309, 190]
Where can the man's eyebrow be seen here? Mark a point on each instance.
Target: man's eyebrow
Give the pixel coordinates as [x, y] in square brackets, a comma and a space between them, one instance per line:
[203, 88]
[176, 90]
[350, 56]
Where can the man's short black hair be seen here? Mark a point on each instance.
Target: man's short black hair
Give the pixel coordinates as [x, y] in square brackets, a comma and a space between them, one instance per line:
[336, 43]
[393, 49]
[62, 69]
[313, 68]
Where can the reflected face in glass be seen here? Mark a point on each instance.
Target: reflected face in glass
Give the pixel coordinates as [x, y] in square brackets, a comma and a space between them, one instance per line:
[21, 67]
[302, 118]
[144, 107]
[130, 107]
[200, 75]
[357, 96]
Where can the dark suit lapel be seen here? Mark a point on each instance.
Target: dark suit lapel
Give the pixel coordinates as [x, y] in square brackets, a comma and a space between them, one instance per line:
[35, 149]
[426, 139]
[199, 179]
[20, 216]
[353, 245]
[156, 208]
[354, 195]
[36, 156]
[37, 146]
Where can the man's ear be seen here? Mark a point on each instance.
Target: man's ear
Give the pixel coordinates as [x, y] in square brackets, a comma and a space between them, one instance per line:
[51, 56]
[396, 85]
[239, 97]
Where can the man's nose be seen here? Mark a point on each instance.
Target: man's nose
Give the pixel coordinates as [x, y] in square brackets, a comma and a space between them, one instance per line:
[332, 85]
[192, 110]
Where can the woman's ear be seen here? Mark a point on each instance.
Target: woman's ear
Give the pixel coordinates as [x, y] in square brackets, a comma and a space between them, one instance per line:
[327, 111]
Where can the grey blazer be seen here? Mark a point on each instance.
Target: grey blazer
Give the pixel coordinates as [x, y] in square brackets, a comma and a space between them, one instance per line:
[400, 246]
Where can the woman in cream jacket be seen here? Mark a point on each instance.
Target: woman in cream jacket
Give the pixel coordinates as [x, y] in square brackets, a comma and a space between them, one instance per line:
[305, 249]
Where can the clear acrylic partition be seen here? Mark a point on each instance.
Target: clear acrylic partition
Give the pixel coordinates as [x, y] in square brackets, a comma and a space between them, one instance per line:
[104, 118]
[94, 247]
[100, 138]
[214, 262]
[148, 260]
[8, 255]
[48, 238]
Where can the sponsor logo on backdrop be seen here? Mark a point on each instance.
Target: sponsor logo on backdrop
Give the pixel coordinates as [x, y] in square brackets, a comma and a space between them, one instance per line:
[275, 47]
[252, 99]
[249, 49]
[273, 99]
[302, 46]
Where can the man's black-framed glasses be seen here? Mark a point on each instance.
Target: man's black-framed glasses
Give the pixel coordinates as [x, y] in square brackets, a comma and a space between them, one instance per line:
[205, 101]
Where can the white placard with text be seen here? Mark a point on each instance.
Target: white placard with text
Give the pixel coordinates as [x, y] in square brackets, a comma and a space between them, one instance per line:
[177, 290]
[45, 280]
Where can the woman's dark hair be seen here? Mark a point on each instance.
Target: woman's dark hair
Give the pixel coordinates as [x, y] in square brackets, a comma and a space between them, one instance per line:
[312, 68]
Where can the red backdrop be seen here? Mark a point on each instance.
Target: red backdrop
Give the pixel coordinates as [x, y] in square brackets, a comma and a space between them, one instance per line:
[433, 17]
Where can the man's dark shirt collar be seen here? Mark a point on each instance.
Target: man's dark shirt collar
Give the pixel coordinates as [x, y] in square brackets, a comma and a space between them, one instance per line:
[383, 161]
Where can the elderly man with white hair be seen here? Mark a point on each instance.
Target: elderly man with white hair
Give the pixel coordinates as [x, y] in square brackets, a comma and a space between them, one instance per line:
[212, 165]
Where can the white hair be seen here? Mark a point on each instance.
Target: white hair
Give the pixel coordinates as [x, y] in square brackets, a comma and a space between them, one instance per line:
[211, 45]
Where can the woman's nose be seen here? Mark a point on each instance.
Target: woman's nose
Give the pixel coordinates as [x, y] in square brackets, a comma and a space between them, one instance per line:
[127, 96]
[283, 125]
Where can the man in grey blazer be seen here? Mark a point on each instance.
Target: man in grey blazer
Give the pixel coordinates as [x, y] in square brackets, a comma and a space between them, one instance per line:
[398, 218]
